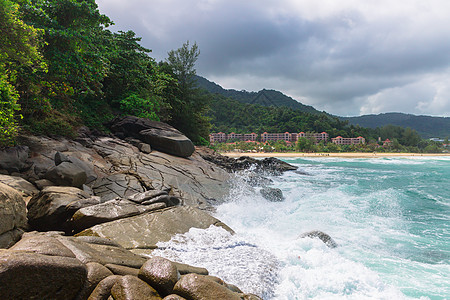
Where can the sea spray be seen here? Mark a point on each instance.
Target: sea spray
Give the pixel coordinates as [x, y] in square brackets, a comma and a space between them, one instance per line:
[390, 218]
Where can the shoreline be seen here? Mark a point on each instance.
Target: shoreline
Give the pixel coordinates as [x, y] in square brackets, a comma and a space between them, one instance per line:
[341, 155]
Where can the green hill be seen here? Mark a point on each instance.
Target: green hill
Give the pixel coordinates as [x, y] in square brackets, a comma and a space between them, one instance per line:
[426, 126]
[263, 97]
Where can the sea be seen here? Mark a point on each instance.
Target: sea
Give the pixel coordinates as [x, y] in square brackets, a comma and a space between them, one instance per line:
[390, 218]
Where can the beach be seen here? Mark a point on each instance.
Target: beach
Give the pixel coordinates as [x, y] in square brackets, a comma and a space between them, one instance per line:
[343, 155]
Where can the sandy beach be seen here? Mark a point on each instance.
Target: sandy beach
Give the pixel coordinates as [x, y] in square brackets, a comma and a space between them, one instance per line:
[344, 155]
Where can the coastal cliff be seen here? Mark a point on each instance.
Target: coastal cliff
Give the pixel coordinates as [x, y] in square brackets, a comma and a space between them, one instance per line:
[80, 218]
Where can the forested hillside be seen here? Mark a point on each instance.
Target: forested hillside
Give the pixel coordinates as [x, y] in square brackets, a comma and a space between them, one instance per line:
[263, 97]
[426, 126]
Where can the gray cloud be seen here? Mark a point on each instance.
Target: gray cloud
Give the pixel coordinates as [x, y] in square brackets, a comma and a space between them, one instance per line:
[347, 57]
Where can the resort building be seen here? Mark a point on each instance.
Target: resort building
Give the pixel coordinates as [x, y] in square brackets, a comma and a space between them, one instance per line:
[276, 137]
[235, 136]
[217, 137]
[250, 137]
[313, 135]
[348, 141]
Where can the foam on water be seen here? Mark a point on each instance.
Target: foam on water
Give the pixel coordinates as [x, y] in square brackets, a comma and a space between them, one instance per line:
[390, 218]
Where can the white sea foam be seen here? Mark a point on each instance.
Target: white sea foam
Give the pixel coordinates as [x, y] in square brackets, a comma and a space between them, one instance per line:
[384, 251]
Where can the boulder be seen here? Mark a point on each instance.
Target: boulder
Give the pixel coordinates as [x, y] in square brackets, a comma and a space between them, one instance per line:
[20, 184]
[95, 273]
[272, 194]
[322, 236]
[103, 254]
[160, 136]
[144, 231]
[14, 159]
[25, 275]
[42, 244]
[67, 174]
[109, 211]
[132, 288]
[145, 148]
[61, 157]
[13, 216]
[103, 290]
[160, 273]
[199, 287]
[48, 210]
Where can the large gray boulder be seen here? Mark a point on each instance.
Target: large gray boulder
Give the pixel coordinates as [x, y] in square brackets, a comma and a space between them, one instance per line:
[67, 174]
[26, 188]
[14, 159]
[25, 275]
[272, 194]
[160, 136]
[146, 230]
[13, 216]
[109, 211]
[50, 209]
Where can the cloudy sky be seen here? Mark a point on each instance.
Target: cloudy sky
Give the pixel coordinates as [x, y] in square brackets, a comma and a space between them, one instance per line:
[347, 57]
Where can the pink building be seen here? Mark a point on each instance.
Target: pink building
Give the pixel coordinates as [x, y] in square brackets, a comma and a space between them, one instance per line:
[348, 141]
[312, 135]
[217, 137]
[276, 137]
[250, 137]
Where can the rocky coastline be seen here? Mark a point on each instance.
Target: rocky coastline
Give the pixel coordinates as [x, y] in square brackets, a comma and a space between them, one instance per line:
[80, 218]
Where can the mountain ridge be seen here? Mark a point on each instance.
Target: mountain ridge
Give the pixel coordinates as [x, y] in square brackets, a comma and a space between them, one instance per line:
[426, 126]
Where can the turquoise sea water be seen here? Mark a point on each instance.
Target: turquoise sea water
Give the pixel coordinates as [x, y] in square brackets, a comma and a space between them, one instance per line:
[389, 216]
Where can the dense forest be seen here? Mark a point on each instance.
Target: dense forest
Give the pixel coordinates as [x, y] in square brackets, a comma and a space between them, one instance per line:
[62, 68]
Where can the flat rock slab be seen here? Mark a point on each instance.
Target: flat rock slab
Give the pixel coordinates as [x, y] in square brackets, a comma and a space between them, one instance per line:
[146, 230]
[20, 184]
[25, 275]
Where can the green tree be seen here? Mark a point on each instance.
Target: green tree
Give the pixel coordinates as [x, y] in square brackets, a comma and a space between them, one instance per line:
[19, 47]
[189, 103]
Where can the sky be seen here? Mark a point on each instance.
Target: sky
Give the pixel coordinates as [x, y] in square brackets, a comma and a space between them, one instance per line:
[346, 57]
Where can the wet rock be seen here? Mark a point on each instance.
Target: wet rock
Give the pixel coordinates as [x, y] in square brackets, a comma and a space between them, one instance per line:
[270, 166]
[198, 287]
[144, 231]
[160, 273]
[12, 215]
[67, 174]
[48, 210]
[25, 275]
[132, 288]
[322, 236]
[14, 159]
[272, 194]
